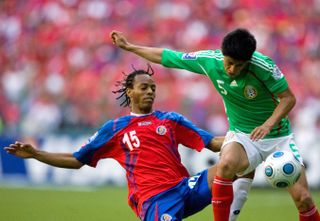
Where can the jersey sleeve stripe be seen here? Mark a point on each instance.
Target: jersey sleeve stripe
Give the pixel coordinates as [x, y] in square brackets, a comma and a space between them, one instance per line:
[261, 63]
[209, 54]
[204, 70]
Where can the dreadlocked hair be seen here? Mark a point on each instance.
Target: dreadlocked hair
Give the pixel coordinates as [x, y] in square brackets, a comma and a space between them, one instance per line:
[127, 82]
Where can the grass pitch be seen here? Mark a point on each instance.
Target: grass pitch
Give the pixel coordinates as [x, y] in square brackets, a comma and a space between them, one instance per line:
[109, 203]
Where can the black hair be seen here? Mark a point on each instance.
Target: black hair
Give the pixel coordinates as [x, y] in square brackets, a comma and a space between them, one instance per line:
[239, 44]
[128, 81]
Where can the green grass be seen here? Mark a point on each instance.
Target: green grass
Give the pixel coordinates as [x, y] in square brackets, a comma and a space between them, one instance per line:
[57, 204]
[263, 205]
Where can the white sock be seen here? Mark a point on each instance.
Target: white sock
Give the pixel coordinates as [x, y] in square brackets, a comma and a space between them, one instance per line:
[241, 187]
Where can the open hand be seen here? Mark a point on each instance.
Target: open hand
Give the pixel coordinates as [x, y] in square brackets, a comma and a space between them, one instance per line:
[260, 132]
[21, 150]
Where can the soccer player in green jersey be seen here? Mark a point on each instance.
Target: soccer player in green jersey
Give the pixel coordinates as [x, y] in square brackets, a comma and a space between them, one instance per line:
[257, 100]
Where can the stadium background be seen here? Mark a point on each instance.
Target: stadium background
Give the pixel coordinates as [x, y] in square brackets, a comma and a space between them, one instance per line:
[58, 69]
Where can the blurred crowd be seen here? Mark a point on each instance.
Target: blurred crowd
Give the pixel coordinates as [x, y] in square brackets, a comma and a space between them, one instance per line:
[58, 67]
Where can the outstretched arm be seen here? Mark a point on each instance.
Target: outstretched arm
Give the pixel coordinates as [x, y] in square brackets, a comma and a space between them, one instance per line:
[63, 160]
[150, 53]
[215, 144]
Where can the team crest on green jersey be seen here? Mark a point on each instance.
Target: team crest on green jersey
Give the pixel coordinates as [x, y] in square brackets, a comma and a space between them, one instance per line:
[250, 92]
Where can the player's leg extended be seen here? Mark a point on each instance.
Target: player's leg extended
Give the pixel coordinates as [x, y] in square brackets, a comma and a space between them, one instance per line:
[233, 159]
[241, 187]
[303, 200]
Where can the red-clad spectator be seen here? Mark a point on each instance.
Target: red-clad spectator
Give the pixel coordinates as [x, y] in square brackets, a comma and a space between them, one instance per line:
[59, 46]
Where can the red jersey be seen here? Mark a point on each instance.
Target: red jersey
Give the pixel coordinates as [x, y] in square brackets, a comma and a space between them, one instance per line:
[147, 148]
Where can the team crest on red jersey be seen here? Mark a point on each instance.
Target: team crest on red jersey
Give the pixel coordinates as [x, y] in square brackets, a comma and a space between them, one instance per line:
[161, 130]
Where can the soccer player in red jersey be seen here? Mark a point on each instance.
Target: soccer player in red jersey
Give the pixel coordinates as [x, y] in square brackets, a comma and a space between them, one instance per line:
[145, 143]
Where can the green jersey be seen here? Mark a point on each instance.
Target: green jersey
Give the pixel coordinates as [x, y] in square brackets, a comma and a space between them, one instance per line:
[249, 98]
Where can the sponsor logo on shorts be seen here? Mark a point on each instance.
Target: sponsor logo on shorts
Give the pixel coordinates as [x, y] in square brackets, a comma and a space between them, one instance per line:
[161, 130]
[166, 217]
[193, 181]
[229, 136]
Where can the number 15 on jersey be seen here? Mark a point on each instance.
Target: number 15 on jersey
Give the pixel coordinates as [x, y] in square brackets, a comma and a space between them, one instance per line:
[131, 140]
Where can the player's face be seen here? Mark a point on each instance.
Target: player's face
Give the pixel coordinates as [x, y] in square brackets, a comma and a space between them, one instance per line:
[142, 94]
[233, 67]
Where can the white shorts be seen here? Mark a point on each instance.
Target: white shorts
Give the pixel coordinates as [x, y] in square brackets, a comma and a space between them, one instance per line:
[258, 151]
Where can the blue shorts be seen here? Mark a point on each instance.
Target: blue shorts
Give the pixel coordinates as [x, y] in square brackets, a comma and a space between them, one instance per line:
[186, 198]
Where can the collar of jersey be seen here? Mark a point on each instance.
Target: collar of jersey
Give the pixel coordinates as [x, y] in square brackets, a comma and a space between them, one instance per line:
[240, 75]
[140, 115]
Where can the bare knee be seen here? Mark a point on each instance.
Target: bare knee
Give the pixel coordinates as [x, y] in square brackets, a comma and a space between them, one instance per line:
[233, 159]
[226, 169]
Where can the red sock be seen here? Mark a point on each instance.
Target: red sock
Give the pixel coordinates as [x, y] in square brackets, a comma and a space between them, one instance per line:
[311, 215]
[222, 196]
